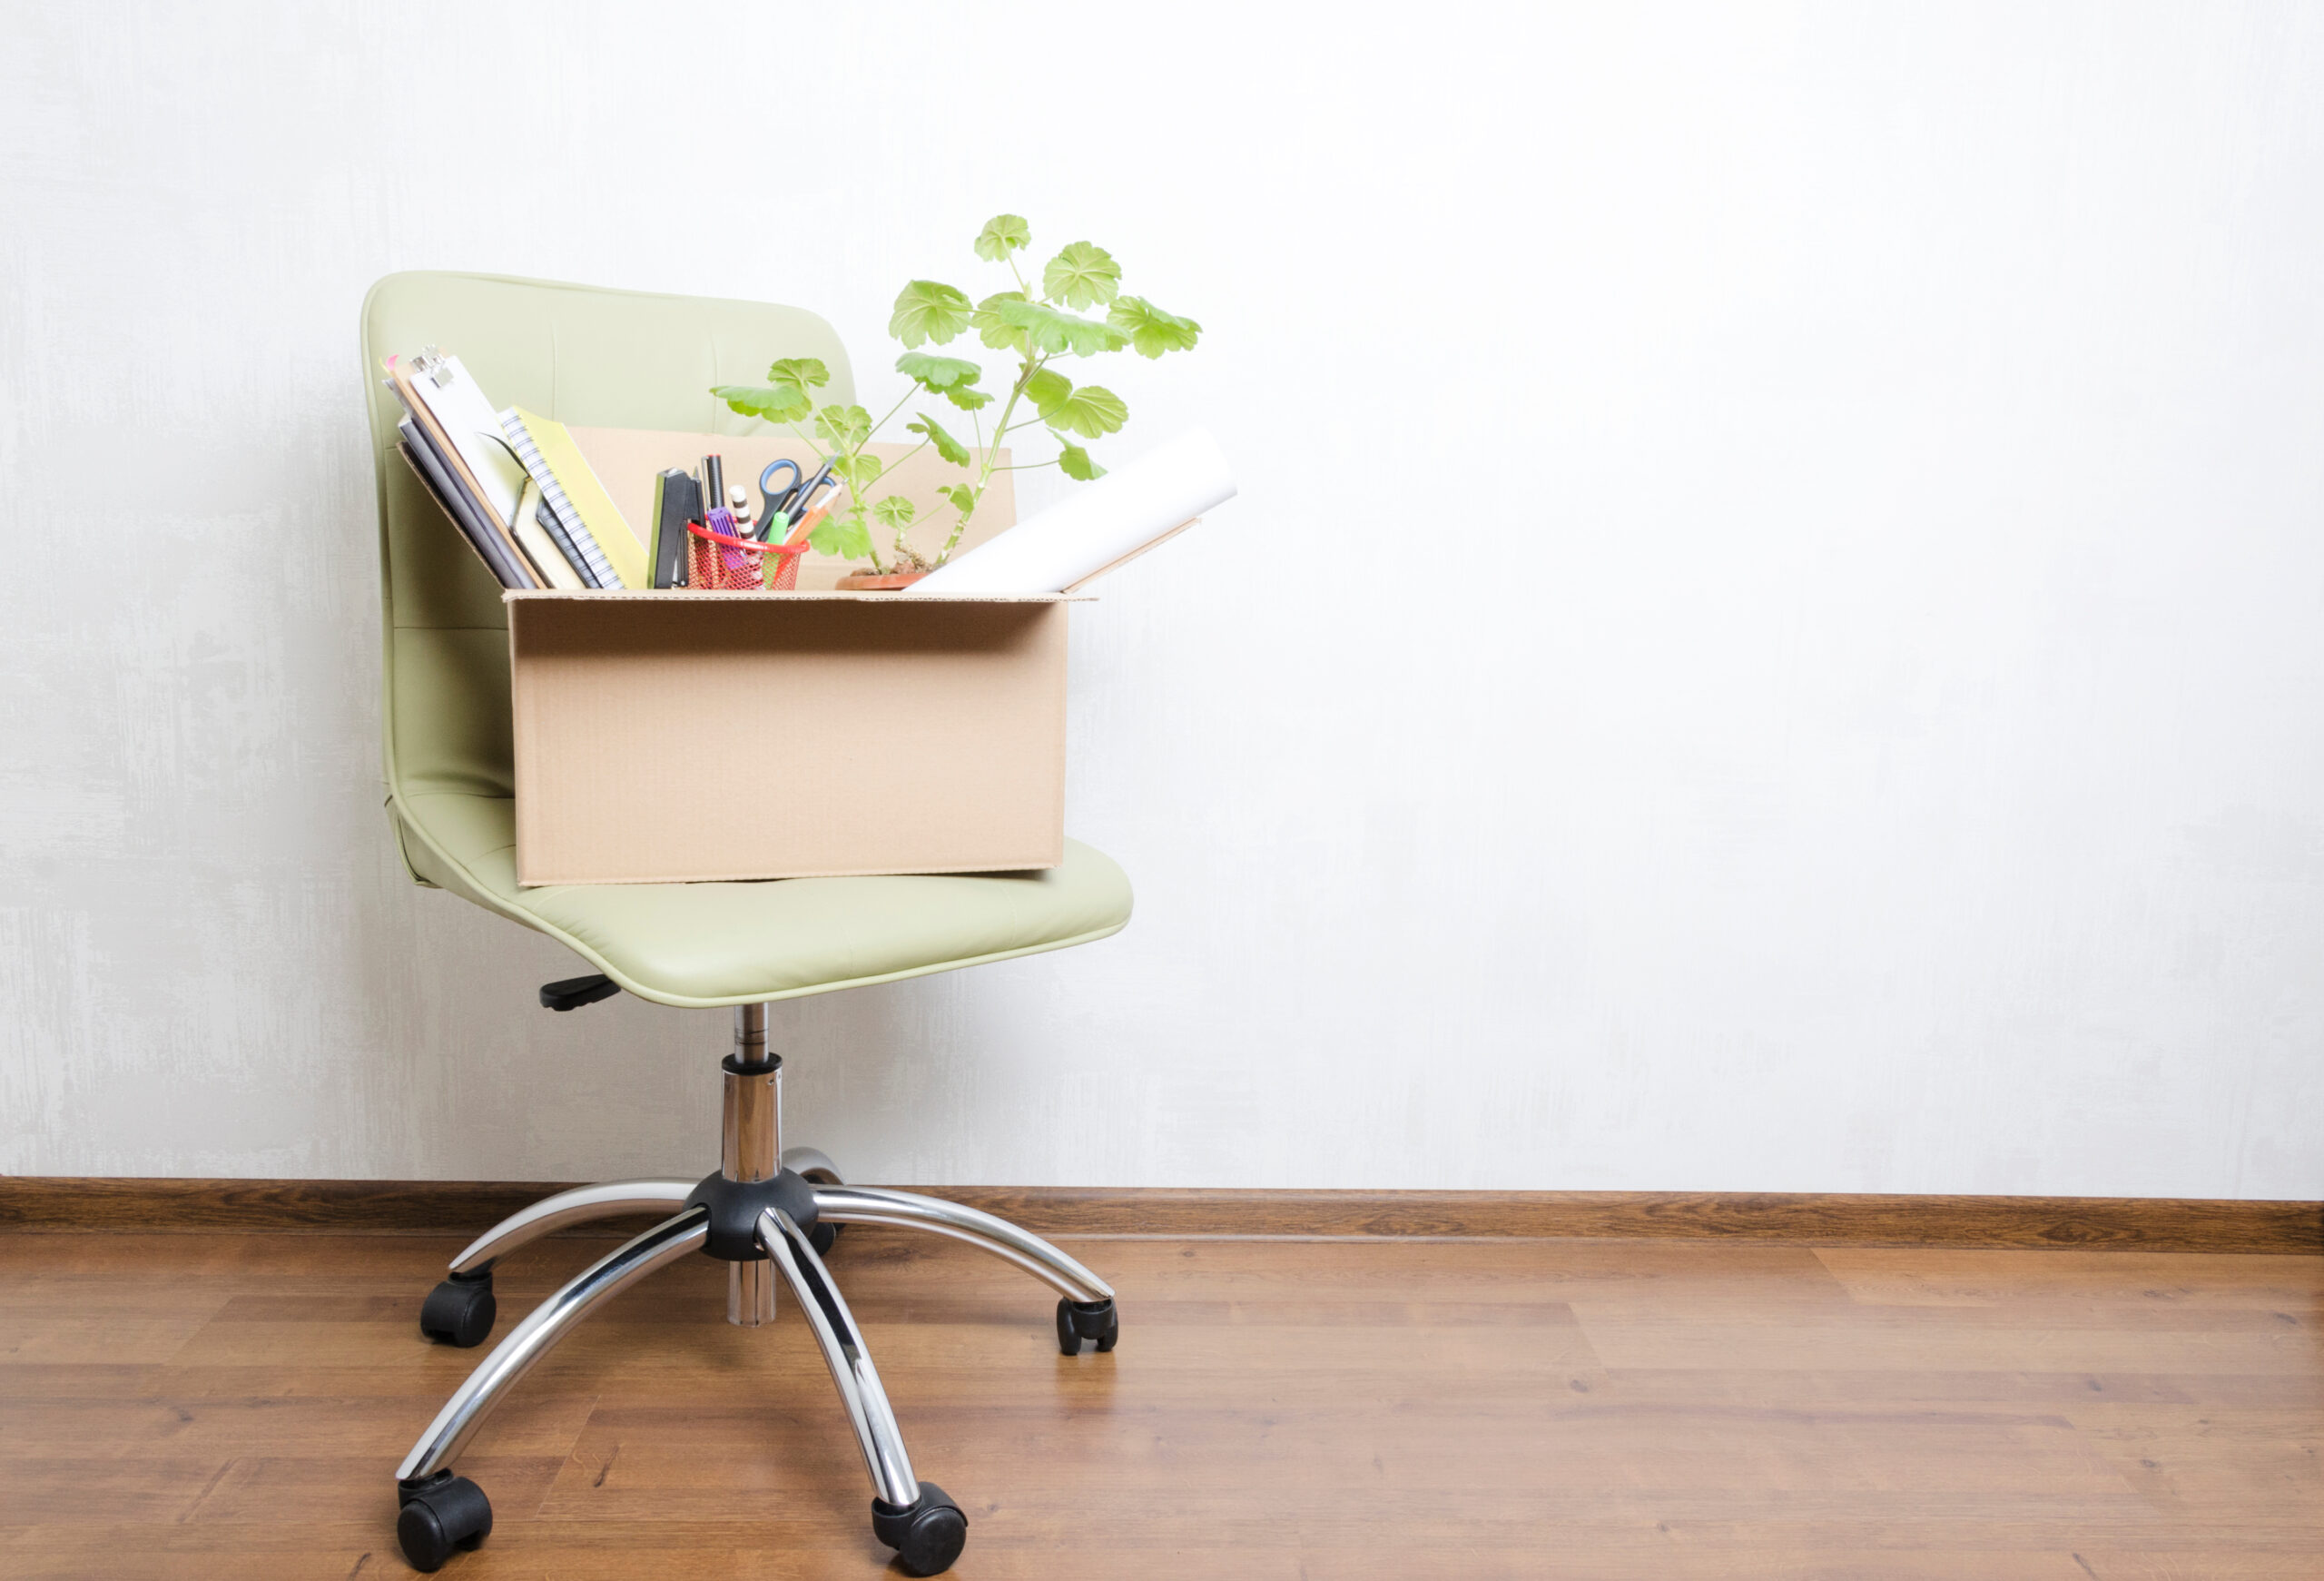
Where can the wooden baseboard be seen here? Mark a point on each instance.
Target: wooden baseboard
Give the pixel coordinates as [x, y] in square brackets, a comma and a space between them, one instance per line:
[1808, 1219]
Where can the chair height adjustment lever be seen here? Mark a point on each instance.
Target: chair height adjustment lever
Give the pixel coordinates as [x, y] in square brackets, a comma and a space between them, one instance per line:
[576, 992]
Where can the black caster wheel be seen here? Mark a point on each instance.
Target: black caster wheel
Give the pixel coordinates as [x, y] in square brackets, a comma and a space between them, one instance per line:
[460, 1311]
[927, 1533]
[1079, 1320]
[822, 1236]
[441, 1516]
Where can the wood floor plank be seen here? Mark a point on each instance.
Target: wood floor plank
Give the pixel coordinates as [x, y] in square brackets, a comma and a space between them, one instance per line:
[531, 1424]
[2061, 1391]
[1932, 1338]
[80, 1332]
[1304, 1410]
[1878, 1275]
[2209, 1564]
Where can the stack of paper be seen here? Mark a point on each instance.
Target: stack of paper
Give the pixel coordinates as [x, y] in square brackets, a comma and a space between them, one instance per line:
[513, 482]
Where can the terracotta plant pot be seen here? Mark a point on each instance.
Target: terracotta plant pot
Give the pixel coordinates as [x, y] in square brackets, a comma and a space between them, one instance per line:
[878, 581]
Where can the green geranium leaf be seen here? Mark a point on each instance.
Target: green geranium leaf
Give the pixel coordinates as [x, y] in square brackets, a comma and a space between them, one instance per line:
[895, 512]
[929, 309]
[776, 403]
[858, 472]
[1093, 411]
[1046, 390]
[1151, 330]
[1074, 462]
[954, 378]
[937, 374]
[1084, 275]
[806, 371]
[1003, 235]
[844, 537]
[963, 498]
[1049, 330]
[951, 448]
[784, 398]
[995, 331]
[845, 427]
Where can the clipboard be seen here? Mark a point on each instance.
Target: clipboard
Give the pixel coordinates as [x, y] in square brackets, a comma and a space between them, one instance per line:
[465, 434]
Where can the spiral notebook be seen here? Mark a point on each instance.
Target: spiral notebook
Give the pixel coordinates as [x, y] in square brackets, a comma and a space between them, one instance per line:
[605, 549]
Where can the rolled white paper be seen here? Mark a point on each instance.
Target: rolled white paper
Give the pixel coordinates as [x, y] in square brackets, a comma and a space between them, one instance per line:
[1119, 514]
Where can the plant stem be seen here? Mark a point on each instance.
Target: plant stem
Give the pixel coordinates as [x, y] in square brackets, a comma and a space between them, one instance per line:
[891, 411]
[903, 550]
[860, 506]
[815, 447]
[1032, 365]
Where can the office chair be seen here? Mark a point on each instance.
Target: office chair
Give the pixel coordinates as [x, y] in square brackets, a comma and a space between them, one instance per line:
[627, 360]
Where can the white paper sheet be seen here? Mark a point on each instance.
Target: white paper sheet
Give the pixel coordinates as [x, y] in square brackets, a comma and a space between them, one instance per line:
[1119, 514]
[468, 419]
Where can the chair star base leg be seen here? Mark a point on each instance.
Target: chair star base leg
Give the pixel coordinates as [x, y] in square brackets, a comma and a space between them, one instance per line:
[769, 1213]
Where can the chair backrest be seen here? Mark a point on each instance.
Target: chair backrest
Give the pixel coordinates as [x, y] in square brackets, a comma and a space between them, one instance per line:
[601, 359]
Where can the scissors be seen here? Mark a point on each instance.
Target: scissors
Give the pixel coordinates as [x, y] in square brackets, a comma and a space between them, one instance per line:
[778, 505]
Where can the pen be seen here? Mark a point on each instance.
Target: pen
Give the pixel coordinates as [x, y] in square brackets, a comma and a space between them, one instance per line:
[813, 518]
[713, 483]
[799, 501]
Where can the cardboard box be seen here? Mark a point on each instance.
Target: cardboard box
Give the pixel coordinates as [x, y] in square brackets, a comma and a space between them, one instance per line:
[678, 736]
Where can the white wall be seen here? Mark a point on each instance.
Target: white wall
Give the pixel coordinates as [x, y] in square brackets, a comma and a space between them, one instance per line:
[1849, 716]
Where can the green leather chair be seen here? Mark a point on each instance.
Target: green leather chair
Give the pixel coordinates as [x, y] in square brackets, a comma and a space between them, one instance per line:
[627, 360]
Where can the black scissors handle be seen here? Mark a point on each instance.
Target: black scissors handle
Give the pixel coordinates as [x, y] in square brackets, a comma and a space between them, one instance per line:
[774, 502]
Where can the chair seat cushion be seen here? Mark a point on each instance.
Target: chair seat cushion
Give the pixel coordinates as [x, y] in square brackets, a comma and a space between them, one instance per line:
[699, 944]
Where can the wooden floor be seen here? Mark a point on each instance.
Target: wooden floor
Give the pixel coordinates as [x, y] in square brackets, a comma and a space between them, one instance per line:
[228, 1406]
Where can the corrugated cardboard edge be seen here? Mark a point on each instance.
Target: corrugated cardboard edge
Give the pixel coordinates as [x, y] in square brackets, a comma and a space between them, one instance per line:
[523, 883]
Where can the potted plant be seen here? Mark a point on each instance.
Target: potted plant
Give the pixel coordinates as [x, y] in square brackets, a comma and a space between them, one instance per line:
[1042, 329]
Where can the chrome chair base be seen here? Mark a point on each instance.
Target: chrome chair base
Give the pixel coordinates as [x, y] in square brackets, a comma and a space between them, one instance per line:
[759, 1214]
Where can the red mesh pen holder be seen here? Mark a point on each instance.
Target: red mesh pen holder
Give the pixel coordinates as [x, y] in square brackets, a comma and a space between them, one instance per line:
[783, 575]
[719, 561]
